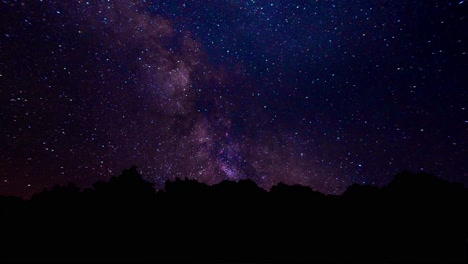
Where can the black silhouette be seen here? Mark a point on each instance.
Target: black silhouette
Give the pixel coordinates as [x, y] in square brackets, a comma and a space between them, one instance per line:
[417, 217]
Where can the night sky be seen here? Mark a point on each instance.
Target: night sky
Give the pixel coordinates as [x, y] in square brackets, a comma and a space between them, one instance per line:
[318, 93]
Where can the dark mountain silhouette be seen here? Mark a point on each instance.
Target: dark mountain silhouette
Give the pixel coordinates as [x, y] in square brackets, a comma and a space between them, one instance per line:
[417, 217]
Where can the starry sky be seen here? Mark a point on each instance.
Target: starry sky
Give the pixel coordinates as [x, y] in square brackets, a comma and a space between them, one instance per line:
[318, 93]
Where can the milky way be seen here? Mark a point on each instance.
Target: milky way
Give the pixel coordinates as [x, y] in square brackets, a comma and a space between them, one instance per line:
[320, 94]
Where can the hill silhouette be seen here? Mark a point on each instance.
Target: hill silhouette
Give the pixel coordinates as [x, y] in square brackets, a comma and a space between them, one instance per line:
[417, 217]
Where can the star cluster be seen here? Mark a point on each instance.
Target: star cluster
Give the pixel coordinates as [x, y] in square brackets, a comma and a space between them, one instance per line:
[318, 93]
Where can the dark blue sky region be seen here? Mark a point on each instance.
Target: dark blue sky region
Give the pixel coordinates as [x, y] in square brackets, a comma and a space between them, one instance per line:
[318, 93]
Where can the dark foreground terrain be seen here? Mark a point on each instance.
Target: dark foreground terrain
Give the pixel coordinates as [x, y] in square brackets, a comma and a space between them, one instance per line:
[417, 217]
